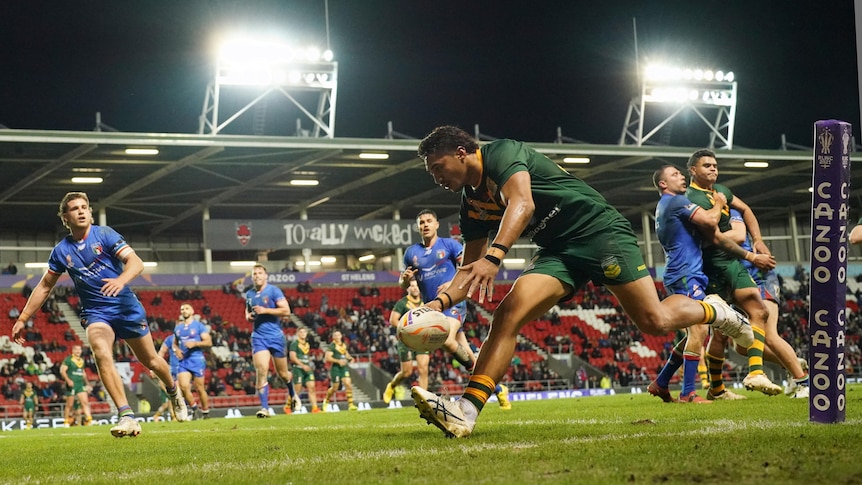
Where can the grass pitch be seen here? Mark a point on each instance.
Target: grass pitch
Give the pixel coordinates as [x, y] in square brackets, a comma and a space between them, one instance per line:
[614, 439]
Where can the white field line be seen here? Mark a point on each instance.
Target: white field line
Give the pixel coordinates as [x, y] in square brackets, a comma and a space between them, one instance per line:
[347, 457]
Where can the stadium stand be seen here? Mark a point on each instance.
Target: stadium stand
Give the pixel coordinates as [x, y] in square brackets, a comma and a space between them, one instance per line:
[590, 327]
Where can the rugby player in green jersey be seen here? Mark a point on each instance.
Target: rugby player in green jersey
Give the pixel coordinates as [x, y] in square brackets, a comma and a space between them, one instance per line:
[509, 188]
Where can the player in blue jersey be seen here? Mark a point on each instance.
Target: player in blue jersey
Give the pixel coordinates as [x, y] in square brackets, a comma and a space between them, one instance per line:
[191, 338]
[777, 349]
[433, 263]
[265, 306]
[101, 264]
[675, 217]
[166, 351]
[679, 224]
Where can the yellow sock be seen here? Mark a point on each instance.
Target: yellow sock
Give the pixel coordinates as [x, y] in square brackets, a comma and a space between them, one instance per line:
[755, 352]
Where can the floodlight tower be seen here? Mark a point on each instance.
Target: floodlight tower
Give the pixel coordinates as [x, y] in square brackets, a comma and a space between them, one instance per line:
[273, 68]
[702, 91]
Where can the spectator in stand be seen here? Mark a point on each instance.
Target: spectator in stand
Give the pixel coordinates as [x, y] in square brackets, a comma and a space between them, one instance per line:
[157, 300]
[14, 313]
[11, 269]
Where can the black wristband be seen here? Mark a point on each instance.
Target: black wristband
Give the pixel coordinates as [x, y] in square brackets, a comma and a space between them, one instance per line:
[447, 296]
[493, 259]
[500, 247]
[442, 305]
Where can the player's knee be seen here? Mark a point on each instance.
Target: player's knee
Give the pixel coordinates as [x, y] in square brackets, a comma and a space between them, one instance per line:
[652, 325]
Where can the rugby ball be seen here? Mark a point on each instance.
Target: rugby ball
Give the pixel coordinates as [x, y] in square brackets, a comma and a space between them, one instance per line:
[423, 329]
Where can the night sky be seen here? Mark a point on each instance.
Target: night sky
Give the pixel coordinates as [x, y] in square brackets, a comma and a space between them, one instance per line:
[518, 73]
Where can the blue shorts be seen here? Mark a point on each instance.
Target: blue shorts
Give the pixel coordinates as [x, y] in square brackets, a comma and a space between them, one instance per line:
[127, 322]
[692, 286]
[458, 312]
[767, 283]
[195, 364]
[275, 344]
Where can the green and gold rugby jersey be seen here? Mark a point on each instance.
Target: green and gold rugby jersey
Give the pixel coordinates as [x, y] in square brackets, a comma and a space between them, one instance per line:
[75, 369]
[339, 351]
[302, 351]
[703, 197]
[567, 208]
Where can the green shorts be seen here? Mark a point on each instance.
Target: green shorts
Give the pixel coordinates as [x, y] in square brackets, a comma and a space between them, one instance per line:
[301, 377]
[726, 276]
[76, 388]
[406, 354]
[609, 258]
[29, 407]
[338, 372]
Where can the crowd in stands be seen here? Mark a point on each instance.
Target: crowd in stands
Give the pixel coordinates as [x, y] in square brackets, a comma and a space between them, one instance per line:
[369, 335]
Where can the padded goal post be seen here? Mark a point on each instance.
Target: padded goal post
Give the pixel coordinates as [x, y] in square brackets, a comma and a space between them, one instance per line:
[829, 236]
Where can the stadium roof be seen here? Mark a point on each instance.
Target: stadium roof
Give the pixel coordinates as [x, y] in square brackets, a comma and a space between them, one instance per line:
[247, 177]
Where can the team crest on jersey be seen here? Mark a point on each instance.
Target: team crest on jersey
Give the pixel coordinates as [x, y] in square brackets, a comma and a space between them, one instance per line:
[611, 267]
[69, 260]
[97, 248]
[243, 232]
[441, 254]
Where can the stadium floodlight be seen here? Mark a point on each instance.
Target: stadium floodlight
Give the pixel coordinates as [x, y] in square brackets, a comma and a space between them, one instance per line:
[699, 89]
[296, 72]
[756, 164]
[580, 160]
[373, 156]
[304, 182]
[150, 264]
[328, 259]
[367, 257]
[242, 264]
[87, 180]
[36, 265]
[142, 151]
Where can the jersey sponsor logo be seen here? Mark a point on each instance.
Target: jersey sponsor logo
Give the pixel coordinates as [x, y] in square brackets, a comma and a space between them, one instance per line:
[543, 223]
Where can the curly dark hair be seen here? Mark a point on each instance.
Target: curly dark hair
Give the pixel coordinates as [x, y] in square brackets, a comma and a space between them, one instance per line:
[446, 139]
[693, 159]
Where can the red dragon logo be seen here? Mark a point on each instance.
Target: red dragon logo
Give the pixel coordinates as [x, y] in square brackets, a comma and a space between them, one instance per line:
[243, 232]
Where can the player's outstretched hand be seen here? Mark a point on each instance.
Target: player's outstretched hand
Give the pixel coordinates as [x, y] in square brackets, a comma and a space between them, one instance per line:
[18, 332]
[480, 277]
